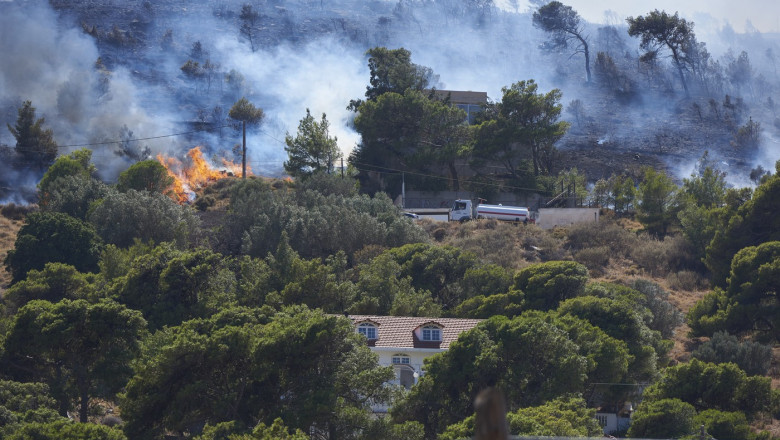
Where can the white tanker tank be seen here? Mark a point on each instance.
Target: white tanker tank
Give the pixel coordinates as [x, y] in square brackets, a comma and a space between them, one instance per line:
[463, 210]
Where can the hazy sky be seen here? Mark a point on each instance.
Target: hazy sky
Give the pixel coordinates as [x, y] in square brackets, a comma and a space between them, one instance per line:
[764, 15]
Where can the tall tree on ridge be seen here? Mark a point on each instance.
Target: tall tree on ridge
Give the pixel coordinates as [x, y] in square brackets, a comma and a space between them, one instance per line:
[658, 30]
[565, 25]
[34, 143]
[244, 111]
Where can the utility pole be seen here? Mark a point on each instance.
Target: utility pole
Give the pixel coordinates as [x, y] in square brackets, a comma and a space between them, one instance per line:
[244, 111]
[243, 151]
[342, 168]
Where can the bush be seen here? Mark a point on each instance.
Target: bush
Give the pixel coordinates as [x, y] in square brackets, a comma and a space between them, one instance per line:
[547, 284]
[685, 280]
[666, 418]
[583, 236]
[330, 184]
[753, 358]
[205, 202]
[121, 218]
[317, 225]
[666, 317]
[74, 195]
[13, 211]
[725, 425]
[595, 258]
[651, 254]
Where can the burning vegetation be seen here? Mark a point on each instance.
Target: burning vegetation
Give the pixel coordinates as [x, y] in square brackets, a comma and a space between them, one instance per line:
[195, 172]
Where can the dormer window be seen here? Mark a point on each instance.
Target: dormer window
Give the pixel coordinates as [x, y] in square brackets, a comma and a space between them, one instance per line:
[368, 330]
[431, 333]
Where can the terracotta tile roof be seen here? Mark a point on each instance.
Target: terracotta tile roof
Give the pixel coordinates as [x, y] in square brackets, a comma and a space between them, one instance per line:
[397, 331]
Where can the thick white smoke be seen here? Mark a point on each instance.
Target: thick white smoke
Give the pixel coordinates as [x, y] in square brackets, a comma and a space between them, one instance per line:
[54, 66]
[322, 76]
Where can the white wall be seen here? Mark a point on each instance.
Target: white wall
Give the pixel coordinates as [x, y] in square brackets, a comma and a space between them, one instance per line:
[552, 217]
[416, 356]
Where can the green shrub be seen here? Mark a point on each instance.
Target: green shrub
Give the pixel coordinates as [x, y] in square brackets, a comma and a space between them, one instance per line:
[547, 284]
[595, 258]
[13, 211]
[666, 418]
[685, 280]
[583, 236]
[724, 425]
[651, 254]
[205, 202]
[666, 317]
[753, 358]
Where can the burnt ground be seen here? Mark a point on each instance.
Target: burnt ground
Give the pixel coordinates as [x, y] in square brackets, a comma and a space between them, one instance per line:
[619, 138]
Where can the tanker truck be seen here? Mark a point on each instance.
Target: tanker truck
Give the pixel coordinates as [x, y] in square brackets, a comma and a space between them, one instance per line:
[463, 210]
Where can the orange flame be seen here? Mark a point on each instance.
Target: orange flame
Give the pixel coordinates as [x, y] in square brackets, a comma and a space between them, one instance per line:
[197, 173]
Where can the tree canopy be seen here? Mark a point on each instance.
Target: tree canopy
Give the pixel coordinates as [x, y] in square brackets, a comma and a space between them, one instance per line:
[312, 150]
[656, 201]
[81, 350]
[750, 224]
[76, 163]
[564, 25]
[533, 358]
[253, 372]
[34, 143]
[659, 30]
[147, 175]
[53, 237]
[245, 111]
[747, 305]
[392, 70]
[523, 125]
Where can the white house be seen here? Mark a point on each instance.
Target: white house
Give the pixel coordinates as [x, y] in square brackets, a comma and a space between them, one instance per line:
[403, 342]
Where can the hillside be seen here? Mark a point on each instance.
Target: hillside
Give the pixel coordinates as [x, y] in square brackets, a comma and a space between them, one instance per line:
[631, 114]
[239, 271]
[157, 295]
[495, 243]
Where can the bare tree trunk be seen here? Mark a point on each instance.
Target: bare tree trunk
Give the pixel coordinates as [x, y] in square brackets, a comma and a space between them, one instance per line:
[587, 56]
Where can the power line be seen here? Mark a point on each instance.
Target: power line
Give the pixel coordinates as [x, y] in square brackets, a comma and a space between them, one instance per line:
[121, 141]
[448, 179]
[377, 170]
[135, 139]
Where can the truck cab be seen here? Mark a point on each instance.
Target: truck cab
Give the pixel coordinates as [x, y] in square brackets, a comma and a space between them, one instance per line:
[461, 211]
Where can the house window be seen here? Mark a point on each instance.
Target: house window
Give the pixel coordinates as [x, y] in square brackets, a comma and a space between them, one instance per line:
[401, 359]
[431, 333]
[367, 330]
